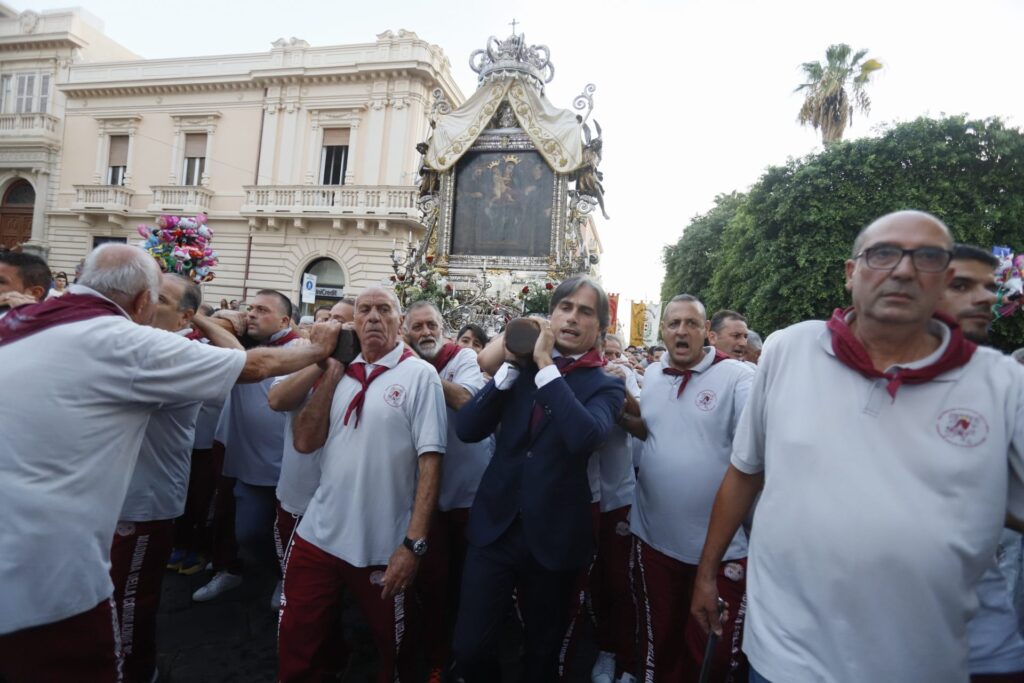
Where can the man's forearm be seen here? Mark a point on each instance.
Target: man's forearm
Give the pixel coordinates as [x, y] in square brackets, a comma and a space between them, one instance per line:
[216, 332]
[263, 362]
[289, 393]
[427, 488]
[309, 430]
[733, 500]
[455, 395]
[635, 425]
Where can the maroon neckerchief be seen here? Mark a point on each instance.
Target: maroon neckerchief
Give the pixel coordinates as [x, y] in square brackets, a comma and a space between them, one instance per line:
[358, 372]
[445, 355]
[851, 353]
[24, 321]
[283, 339]
[195, 335]
[566, 365]
[687, 374]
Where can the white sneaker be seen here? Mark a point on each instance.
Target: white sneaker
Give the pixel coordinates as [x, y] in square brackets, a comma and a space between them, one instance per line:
[626, 678]
[221, 582]
[604, 668]
[275, 599]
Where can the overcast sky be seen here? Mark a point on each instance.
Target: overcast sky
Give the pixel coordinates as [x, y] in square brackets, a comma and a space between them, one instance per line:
[695, 98]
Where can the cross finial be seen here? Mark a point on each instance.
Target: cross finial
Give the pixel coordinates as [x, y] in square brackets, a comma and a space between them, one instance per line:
[513, 25]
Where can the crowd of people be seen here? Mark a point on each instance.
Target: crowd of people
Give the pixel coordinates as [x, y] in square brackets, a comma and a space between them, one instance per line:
[841, 507]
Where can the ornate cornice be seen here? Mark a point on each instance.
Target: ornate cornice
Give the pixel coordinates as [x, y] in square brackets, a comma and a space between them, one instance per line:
[262, 78]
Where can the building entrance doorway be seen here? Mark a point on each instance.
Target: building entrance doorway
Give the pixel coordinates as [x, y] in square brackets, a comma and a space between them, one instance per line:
[16, 214]
[330, 283]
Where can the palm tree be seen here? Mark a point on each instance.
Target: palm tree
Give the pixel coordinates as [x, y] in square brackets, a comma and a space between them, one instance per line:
[826, 103]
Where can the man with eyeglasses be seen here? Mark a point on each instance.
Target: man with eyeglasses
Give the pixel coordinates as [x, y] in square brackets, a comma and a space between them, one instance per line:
[996, 647]
[890, 451]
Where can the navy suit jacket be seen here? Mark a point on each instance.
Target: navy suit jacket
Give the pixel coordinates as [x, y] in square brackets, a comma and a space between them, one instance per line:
[541, 477]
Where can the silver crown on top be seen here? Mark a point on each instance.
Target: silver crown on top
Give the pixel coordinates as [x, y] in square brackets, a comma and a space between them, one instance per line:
[513, 58]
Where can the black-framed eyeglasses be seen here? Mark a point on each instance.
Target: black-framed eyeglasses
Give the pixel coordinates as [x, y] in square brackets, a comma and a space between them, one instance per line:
[888, 256]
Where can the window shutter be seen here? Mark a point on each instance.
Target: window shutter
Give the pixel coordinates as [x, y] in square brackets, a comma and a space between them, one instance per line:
[195, 145]
[118, 150]
[335, 137]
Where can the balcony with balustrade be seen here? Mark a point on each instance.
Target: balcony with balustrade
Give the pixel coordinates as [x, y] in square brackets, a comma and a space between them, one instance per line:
[363, 207]
[29, 129]
[108, 202]
[180, 199]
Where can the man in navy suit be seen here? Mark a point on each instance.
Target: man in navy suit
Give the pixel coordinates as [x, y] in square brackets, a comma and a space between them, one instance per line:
[530, 525]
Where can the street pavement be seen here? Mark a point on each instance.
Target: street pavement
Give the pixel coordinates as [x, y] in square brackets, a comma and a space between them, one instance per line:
[233, 639]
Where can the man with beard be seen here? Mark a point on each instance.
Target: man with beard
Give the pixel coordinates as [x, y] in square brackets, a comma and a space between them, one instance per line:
[24, 279]
[996, 647]
[690, 407]
[889, 448]
[462, 467]
[530, 527]
[246, 502]
[728, 334]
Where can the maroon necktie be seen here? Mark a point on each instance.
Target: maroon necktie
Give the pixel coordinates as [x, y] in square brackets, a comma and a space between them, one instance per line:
[851, 353]
[358, 371]
[565, 365]
[687, 374]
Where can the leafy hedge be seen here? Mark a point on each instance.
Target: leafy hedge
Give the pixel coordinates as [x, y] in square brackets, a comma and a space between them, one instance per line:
[776, 252]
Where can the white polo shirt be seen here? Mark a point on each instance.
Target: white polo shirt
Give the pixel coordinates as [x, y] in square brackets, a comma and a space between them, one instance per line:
[686, 454]
[206, 424]
[878, 516]
[255, 439]
[300, 472]
[464, 463]
[159, 483]
[361, 510]
[65, 468]
[614, 461]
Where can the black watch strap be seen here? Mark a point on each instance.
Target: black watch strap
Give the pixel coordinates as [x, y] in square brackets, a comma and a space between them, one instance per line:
[417, 547]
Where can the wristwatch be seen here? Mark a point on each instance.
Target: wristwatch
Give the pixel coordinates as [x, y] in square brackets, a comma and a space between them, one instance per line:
[418, 547]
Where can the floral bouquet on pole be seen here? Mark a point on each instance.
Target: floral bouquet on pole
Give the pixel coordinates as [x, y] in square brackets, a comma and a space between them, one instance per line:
[181, 245]
[1010, 278]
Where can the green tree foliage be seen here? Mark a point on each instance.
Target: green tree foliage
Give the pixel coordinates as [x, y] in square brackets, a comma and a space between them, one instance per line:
[779, 257]
[689, 262]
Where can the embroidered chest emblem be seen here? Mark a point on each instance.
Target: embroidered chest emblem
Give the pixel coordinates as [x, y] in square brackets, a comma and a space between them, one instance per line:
[962, 427]
[706, 400]
[394, 395]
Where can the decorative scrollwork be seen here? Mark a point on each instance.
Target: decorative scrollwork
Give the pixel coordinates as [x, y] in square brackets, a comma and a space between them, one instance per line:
[585, 100]
[440, 106]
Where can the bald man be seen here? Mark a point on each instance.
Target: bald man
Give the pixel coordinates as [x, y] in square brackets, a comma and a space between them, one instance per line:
[89, 356]
[886, 444]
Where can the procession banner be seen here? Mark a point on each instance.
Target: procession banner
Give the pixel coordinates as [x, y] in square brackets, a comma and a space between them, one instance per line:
[638, 314]
[613, 308]
[652, 321]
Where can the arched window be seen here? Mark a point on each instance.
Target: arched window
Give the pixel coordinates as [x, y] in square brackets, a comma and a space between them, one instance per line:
[20, 193]
[330, 281]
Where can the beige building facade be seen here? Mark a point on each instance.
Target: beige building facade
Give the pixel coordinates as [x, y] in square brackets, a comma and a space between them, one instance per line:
[303, 158]
[36, 52]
